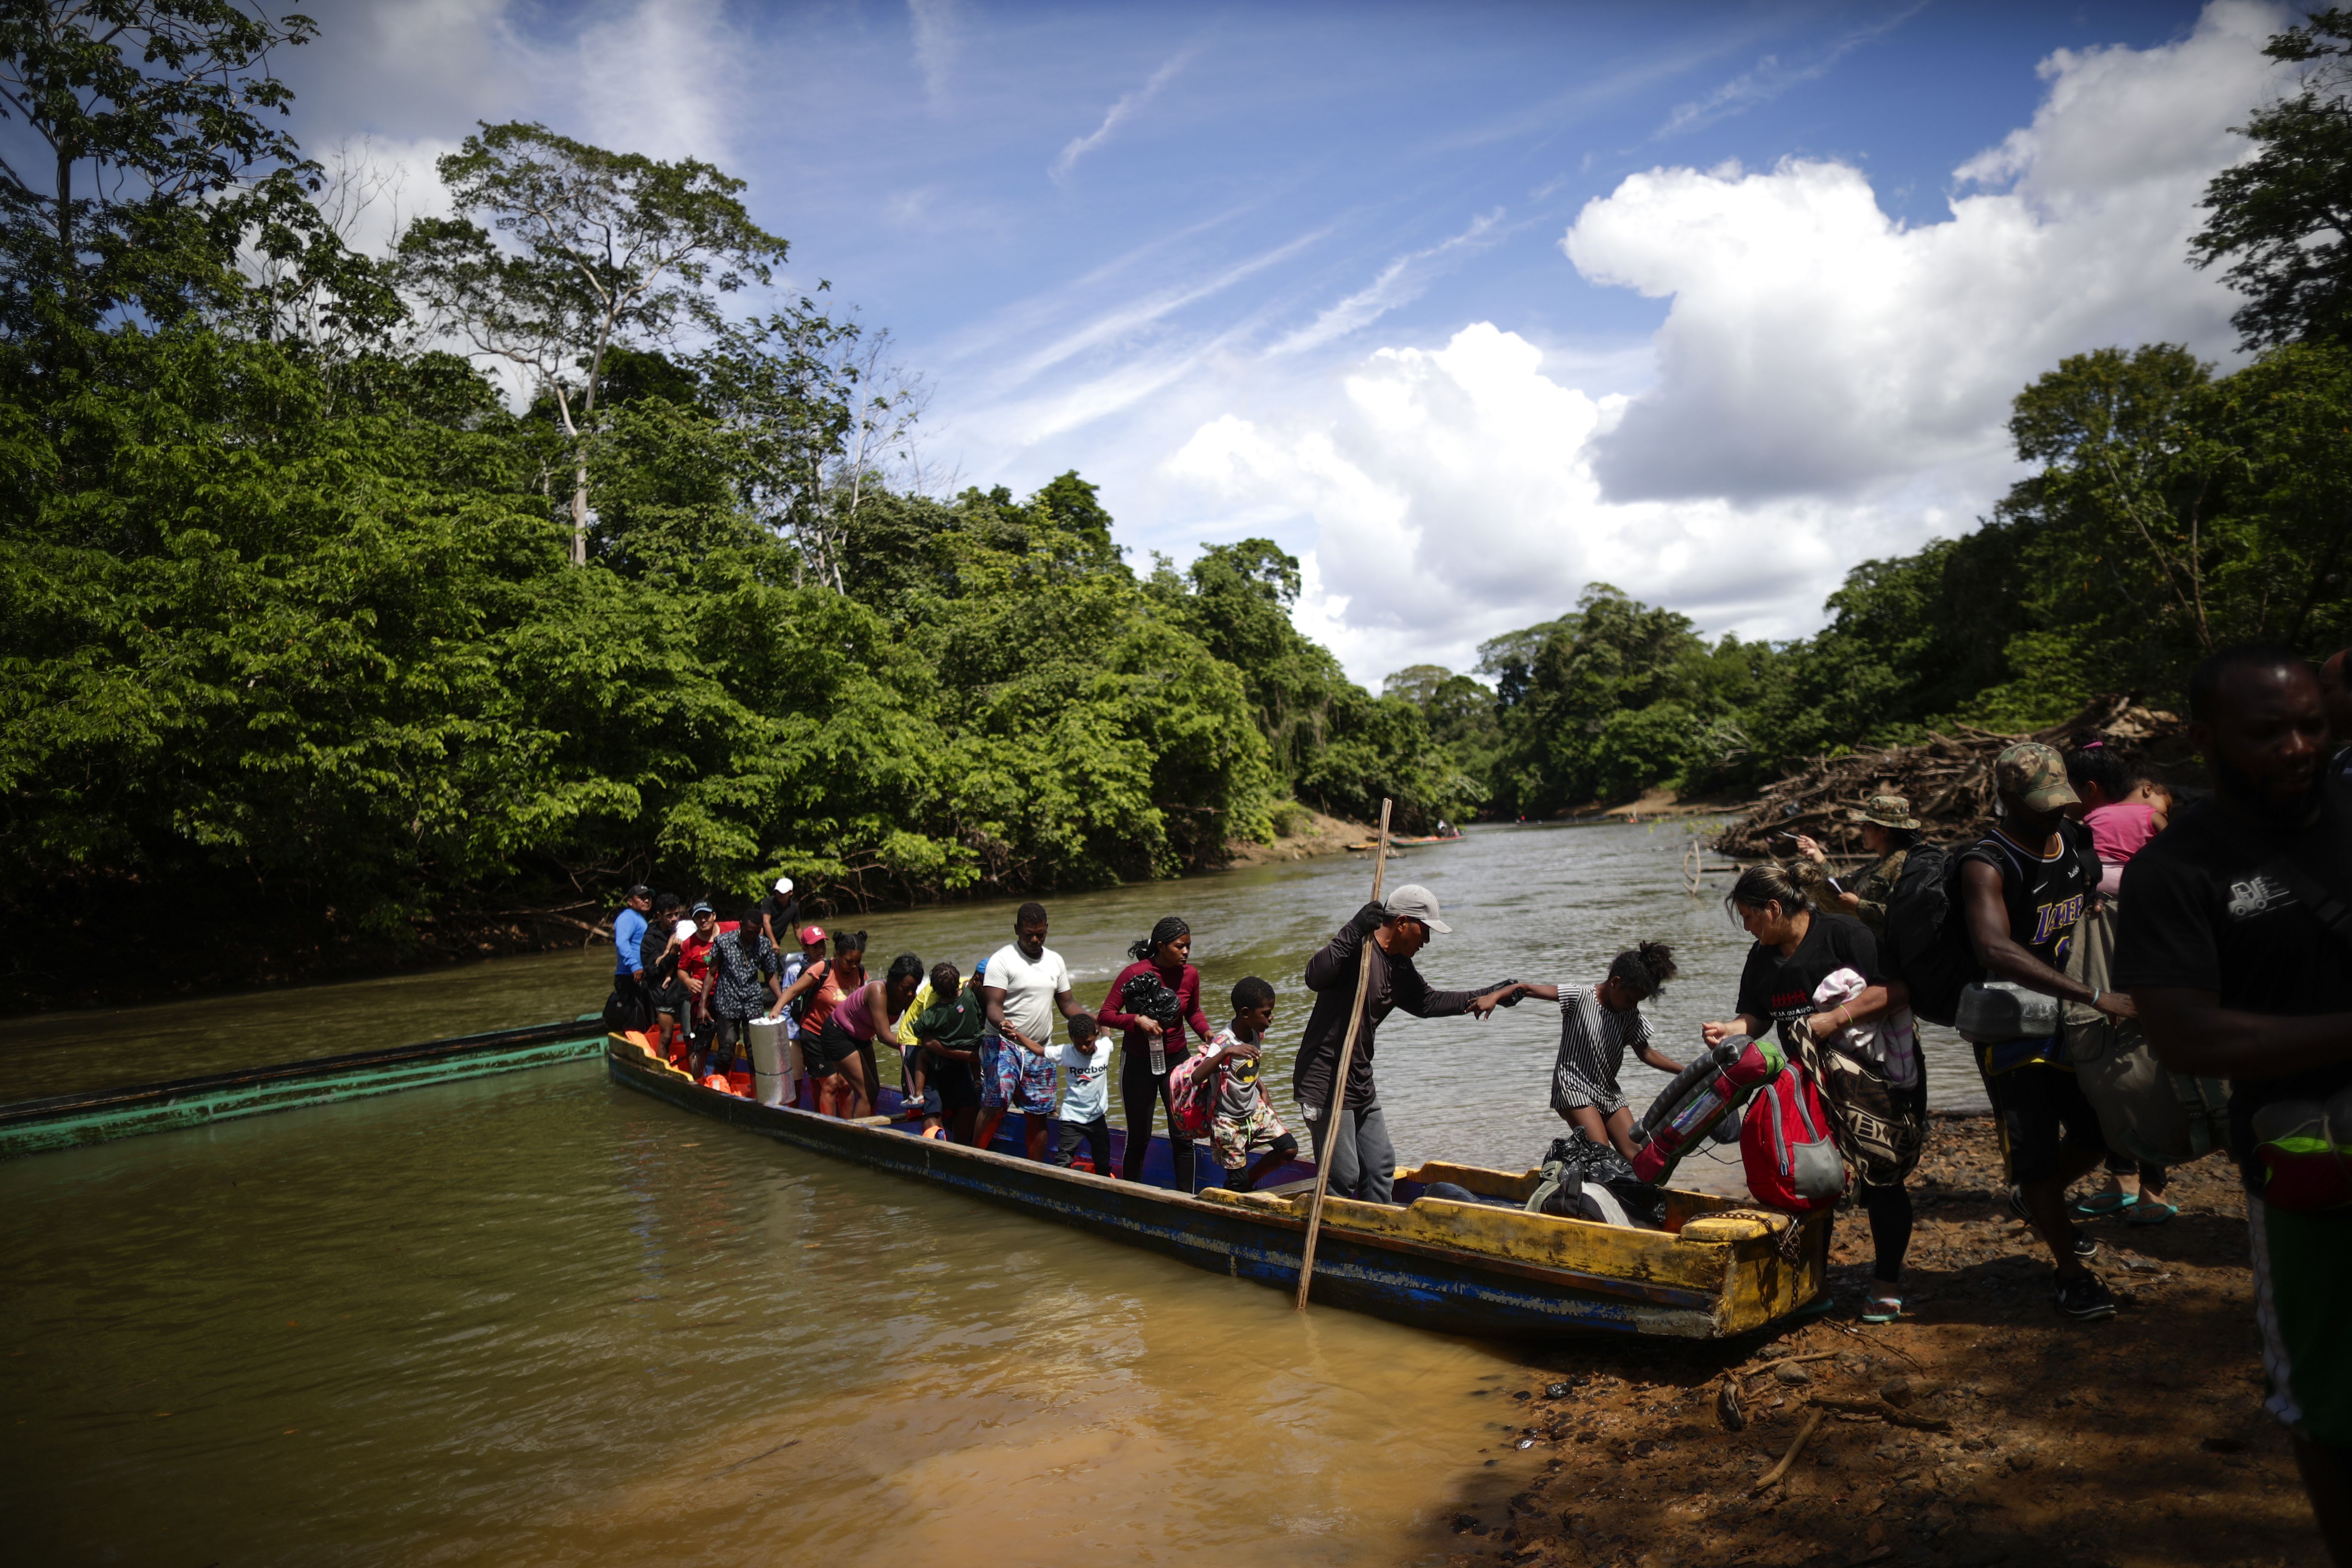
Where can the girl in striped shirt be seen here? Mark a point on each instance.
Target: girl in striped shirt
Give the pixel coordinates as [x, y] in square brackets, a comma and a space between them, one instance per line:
[1598, 1024]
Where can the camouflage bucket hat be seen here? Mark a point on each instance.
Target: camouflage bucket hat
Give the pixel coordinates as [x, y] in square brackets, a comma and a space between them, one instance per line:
[2035, 775]
[1887, 811]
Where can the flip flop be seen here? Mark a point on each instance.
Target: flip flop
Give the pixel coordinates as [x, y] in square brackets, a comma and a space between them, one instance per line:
[2103, 1203]
[2152, 1211]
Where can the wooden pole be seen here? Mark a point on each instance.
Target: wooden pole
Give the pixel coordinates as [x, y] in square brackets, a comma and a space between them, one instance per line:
[1338, 1105]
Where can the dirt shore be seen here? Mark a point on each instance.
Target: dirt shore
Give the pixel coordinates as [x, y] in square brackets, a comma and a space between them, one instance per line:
[1308, 834]
[2136, 1441]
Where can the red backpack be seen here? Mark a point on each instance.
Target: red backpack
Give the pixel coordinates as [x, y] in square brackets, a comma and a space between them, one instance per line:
[1785, 1143]
[1192, 1097]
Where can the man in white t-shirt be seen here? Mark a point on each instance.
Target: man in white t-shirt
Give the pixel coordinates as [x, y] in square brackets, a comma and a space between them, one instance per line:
[1025, 983]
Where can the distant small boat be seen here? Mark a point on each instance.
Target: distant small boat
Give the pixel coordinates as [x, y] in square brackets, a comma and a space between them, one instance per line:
[1489, 1269]
[100, 1115]
[1426, 838]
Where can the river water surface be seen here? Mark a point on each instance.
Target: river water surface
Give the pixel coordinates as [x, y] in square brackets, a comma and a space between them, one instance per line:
[542, 1319]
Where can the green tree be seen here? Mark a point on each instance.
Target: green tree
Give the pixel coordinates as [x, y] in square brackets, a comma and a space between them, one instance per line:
[2282, 219]
[156, 159]
[599, 249]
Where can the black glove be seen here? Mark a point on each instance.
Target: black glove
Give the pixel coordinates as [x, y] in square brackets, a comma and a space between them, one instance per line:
[1368, 920]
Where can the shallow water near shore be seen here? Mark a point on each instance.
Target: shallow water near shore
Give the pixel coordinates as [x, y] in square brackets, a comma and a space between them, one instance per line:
[538, 1318]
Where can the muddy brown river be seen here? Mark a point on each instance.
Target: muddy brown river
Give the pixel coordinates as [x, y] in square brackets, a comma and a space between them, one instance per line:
[541, 1319]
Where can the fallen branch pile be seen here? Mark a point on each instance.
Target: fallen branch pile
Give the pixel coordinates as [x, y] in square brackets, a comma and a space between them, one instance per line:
[1949, 780]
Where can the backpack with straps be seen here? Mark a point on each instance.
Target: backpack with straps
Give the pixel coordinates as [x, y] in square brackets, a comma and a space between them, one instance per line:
[1878, 1127]
[822, 969]
[1926, 944]
[1785, 1143]
[1191, 1096]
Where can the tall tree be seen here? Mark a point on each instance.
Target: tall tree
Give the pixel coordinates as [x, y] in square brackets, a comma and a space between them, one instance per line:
[2282, 219]
[592, 249]
[777, 381]
[154, 155]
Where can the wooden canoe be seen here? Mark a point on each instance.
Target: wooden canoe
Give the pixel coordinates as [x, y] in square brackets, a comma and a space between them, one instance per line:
[1423, 842]
[97, 1116]
[1459, 1267]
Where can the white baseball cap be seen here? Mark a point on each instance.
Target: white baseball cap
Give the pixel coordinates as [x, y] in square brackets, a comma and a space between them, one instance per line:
[783, 884]
[1414, 902]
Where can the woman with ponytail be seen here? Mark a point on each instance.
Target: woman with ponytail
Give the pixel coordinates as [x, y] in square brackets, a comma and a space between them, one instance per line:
[1795, 952]
[1598, 1024]
[1150, 1002]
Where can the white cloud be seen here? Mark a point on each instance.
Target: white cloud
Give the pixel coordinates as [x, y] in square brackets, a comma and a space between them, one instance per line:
[1119, 114]
[1816, 344]
[1453, 500]
[1768, 79]
[1830, 383]
[934, 25]
[1401, 282]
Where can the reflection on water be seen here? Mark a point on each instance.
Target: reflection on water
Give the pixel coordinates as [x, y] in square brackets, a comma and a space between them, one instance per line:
[540, 1318]
[1530, 902]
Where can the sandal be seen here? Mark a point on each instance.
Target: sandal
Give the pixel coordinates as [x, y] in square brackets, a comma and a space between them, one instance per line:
[1881, 1307]
[2152, 1211]
[2100, 1205]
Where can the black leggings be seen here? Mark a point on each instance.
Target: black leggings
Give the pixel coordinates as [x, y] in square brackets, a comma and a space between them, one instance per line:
[1141, 1095]
[1889, 1209]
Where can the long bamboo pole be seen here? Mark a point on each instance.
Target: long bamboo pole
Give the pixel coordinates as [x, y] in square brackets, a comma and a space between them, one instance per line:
[1339, 1106]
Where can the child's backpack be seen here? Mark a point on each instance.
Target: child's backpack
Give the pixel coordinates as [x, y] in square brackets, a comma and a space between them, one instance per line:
[1927, 941]
[1192, 1097]
[1792, 1159]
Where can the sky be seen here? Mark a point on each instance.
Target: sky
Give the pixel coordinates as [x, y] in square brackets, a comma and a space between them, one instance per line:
[1466, 306]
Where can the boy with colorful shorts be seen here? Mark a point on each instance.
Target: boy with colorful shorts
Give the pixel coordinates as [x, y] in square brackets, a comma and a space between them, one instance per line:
[1244, 1121]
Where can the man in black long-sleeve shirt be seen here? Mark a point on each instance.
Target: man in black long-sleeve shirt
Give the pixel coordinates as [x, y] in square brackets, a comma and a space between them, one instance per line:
[1363, 1163]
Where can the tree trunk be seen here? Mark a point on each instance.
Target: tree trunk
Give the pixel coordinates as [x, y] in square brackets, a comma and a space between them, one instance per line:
[580, 514]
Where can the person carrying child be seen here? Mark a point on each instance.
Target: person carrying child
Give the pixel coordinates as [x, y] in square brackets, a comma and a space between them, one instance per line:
[1085, 1096]
[1244, 1121]
[947, 1047]
[1598, 1024]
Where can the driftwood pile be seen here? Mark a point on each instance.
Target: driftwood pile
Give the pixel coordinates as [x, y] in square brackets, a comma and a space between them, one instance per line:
[1948, 780]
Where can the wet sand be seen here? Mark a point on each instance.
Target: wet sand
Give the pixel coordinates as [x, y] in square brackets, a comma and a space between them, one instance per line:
[2133, 1442]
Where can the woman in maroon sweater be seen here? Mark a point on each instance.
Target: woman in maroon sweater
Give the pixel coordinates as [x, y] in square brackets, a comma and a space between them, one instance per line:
[1154, 1048]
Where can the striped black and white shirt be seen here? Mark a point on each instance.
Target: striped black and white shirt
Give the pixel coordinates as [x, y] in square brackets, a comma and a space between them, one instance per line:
[1592, 1045]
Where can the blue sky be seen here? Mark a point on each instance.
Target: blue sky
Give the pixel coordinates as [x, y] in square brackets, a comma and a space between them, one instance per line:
[1466, 305]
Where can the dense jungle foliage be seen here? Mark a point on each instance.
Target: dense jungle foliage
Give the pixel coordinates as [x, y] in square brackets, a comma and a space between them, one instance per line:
[318, 649]
[313, 642]
[2171, 511]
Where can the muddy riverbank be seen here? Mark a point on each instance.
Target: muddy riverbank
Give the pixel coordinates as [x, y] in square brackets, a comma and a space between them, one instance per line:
[2133, 1442]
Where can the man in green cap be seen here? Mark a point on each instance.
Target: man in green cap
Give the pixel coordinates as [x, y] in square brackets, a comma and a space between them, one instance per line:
[2024, 886]
[1888, 831]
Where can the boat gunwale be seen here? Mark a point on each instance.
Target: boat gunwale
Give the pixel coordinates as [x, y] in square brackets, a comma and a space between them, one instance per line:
[22, 1112]
[773, 1120]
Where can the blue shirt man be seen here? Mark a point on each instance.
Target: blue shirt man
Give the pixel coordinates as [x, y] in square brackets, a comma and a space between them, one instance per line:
[629, 929]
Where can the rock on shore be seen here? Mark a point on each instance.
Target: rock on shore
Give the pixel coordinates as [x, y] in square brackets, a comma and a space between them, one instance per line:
[2016, 1435]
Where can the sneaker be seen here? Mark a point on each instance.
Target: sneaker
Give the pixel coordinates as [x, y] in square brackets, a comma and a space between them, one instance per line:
[2085, 1297]
[2085, 1247]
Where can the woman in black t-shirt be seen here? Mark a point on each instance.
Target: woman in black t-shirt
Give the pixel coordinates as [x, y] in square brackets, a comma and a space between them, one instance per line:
[1795, 950]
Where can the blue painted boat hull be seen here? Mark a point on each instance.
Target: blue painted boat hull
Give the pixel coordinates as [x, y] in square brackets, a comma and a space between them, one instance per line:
[1451, 1290]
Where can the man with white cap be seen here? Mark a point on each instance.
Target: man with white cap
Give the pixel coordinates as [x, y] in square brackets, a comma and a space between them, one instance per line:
[776, 914]
[1386, 936]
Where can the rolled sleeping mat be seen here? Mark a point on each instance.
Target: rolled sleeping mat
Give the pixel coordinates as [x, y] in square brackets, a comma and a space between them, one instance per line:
[1702, 1067]
[770, 1077]
[1701, 1096]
